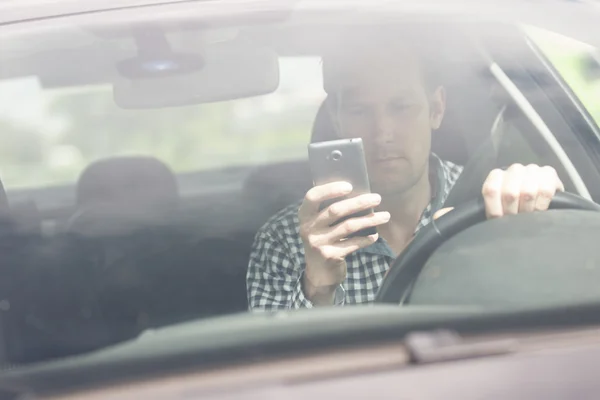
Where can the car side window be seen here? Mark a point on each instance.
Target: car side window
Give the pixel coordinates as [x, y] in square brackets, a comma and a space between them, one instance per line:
[577, 63]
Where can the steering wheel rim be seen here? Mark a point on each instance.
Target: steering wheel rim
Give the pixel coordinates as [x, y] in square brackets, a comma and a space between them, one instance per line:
[409, 264]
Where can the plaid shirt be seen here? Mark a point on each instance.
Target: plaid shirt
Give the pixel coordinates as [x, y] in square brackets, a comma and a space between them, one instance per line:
[274, 278]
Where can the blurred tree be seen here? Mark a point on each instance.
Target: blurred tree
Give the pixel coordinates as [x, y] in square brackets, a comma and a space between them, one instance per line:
[20, 145]
[21, 154]
[99, 128]
[186, 138]
[209, 136]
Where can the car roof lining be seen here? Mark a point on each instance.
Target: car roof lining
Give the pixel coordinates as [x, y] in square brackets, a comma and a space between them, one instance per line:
[98, 51]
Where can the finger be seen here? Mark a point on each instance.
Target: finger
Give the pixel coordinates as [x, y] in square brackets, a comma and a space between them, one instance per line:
[353, 225]
[351, 245]
[339, 250]
[441, 212]
[553, 176]
[511, 189]
[549, 183]
[560, 185]
[491, 191]
[529, 189]
[347, 207]
[318, 194]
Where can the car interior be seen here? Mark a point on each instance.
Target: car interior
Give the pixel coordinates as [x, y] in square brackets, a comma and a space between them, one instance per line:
[133, 251]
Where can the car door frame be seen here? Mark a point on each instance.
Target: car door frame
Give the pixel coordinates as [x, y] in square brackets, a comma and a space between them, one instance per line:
[551, 98]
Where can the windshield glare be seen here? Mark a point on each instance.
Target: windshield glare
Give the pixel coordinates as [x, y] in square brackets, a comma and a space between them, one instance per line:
[159, 174]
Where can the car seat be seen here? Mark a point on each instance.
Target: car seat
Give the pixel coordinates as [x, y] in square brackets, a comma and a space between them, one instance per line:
[153, 268]
[126, 179]
[38, 292]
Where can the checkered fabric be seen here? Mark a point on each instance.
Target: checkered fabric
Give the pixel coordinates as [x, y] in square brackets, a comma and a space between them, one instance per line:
[277, 259]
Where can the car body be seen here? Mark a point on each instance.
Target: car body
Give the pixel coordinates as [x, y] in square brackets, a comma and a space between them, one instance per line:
[128, 267]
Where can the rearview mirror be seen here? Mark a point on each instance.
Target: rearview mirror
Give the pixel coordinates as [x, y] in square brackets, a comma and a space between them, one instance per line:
[224, 71]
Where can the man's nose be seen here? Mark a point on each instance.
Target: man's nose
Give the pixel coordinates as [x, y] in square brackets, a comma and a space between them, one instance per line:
[383, 127]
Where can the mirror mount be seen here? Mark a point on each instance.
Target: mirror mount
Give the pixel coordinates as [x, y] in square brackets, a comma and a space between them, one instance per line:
[156, 59]
[151, 40]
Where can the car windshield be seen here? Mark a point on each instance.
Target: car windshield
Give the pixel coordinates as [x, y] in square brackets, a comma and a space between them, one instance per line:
[155, 165]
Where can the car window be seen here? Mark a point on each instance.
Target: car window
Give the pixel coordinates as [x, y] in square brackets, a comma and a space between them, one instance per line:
[155, 172]
[51, 135]
[576, 62]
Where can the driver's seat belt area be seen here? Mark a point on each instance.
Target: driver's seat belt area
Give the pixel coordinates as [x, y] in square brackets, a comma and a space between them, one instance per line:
[484, 160]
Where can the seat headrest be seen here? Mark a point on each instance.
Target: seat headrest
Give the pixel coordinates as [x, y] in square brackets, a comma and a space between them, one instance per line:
[323, 128]
[132, 180]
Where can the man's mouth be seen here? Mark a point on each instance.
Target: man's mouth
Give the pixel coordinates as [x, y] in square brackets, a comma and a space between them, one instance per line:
[387, 159]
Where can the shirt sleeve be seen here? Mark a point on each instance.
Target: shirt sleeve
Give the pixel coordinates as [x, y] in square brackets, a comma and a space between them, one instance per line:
[274, 278]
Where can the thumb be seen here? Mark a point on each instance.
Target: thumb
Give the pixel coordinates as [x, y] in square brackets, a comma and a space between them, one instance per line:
[441, 212]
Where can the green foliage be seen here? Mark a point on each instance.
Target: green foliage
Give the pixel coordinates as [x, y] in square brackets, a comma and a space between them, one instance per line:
[188, 138]
[572, 60]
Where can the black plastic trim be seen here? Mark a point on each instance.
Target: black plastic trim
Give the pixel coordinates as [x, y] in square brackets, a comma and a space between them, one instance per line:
[556, 106]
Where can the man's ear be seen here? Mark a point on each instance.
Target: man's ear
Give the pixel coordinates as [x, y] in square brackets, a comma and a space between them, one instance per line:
[437, 107]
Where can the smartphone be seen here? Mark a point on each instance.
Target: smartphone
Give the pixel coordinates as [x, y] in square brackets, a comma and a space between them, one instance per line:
[341, 160]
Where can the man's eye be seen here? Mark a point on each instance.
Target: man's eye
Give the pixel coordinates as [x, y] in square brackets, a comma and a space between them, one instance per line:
[356, 110]
[400, 107]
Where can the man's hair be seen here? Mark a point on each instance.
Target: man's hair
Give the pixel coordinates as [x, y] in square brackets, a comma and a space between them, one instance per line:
[365, 41]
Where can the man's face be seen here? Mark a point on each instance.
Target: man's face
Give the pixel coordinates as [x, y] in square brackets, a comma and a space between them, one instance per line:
[384, 101]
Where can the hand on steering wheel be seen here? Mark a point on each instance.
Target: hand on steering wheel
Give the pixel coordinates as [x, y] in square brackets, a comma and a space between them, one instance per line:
[409, 264]
[517, 189]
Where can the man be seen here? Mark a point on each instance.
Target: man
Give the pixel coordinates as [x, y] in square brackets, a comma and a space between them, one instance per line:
[384, 97]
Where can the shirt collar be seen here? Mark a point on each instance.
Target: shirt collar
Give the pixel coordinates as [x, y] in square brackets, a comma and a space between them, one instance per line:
[440, 183]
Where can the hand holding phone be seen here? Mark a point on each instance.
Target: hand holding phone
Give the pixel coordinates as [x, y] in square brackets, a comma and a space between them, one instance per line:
[342, 161]
[337, 215]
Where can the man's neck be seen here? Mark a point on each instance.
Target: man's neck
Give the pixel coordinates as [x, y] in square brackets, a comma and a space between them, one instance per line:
[405, 209]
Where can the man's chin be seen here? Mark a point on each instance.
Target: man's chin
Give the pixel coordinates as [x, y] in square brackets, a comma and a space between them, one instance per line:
[391, 187]
[395, 182]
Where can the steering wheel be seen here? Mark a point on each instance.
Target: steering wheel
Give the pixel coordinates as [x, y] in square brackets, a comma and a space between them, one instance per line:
[408, 265]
